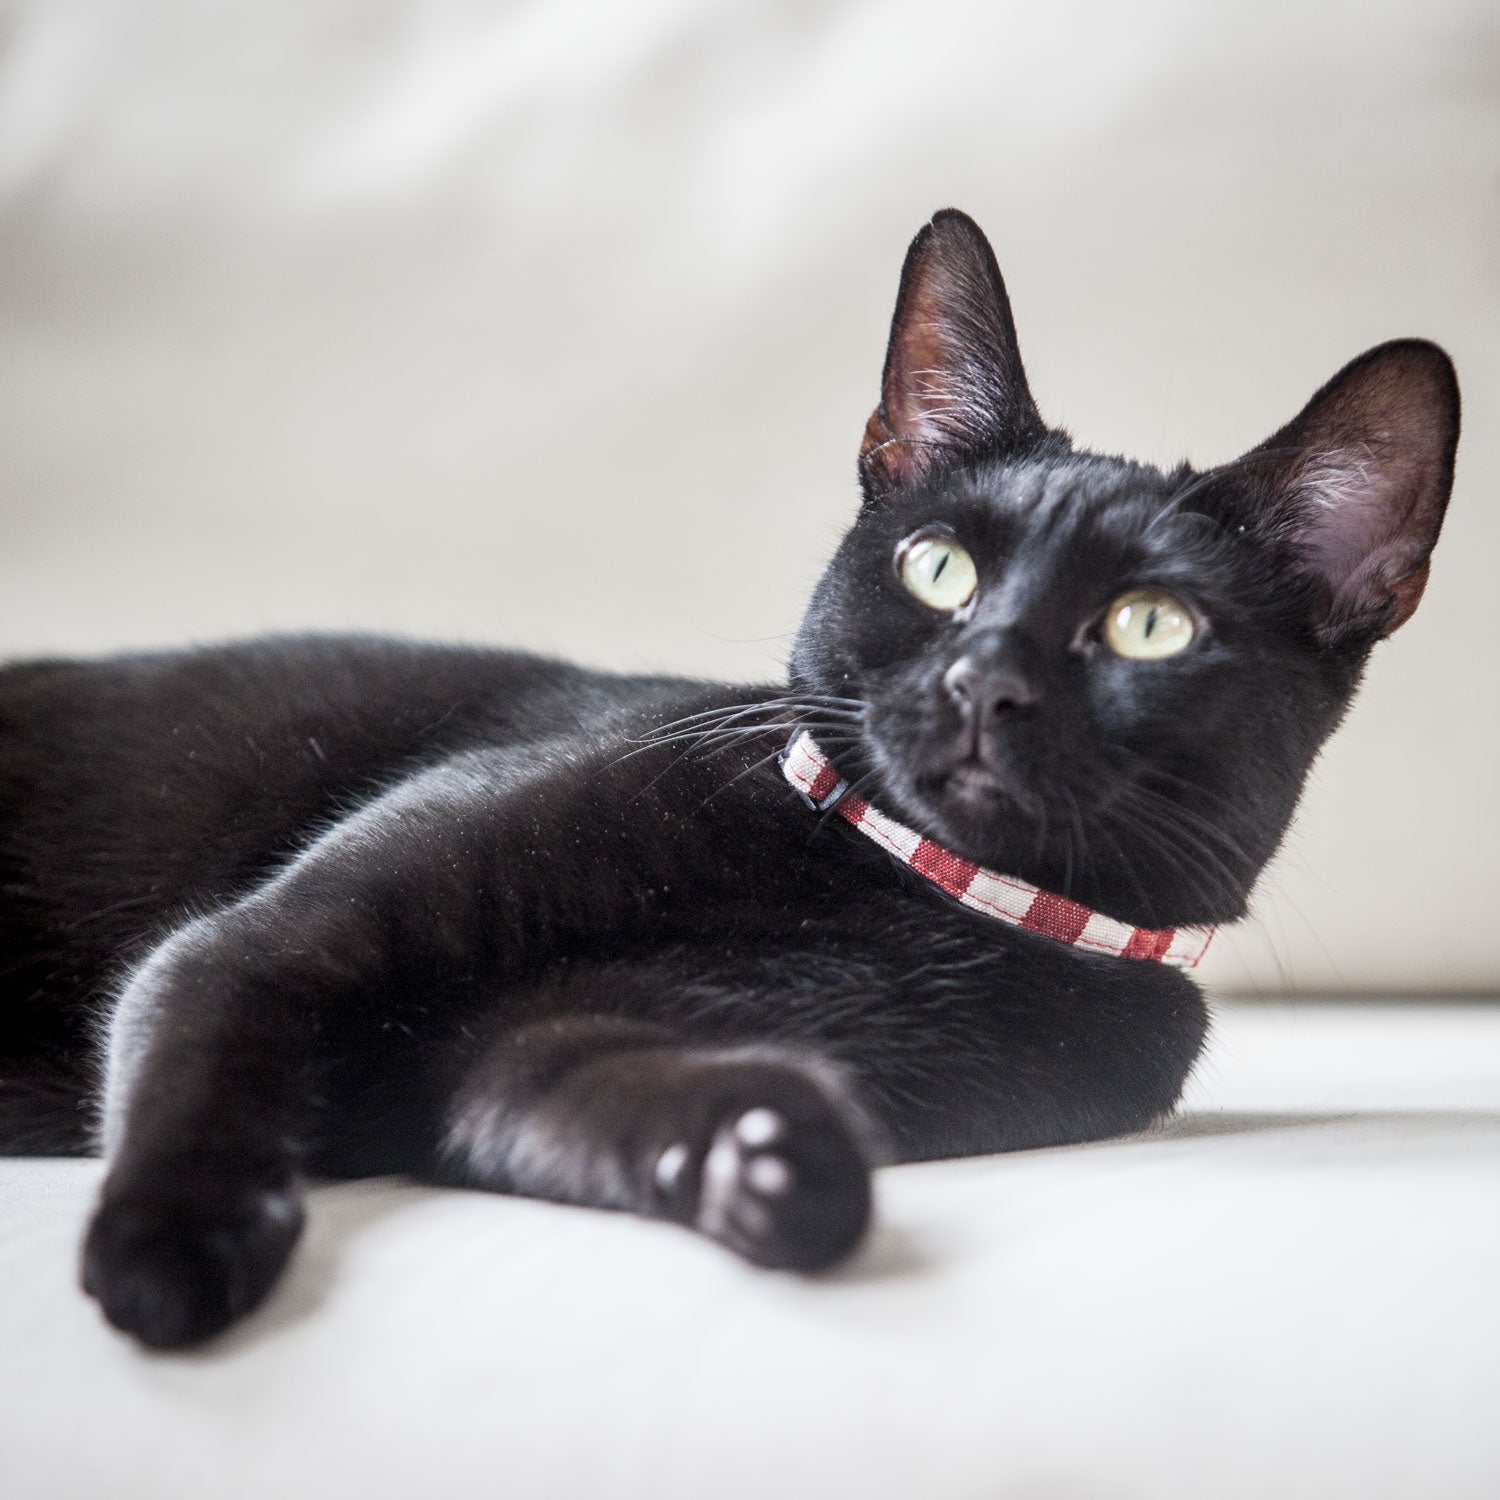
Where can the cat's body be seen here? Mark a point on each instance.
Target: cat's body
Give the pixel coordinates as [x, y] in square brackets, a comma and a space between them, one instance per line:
[144, 789]
[350, 906]
[221, 766]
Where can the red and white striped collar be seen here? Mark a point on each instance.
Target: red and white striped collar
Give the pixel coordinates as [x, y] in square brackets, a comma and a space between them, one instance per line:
[1003, 897]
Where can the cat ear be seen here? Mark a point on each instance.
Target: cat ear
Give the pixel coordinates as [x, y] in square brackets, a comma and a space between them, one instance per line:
[953, 379]
[1358, 482]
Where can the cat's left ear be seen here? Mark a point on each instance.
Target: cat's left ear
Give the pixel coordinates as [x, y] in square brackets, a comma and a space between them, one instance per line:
[953, 384]
[1357, 484]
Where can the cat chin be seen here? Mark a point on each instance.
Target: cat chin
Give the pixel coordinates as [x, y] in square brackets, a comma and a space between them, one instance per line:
[976, 805]
[971, 809]
[975, 786]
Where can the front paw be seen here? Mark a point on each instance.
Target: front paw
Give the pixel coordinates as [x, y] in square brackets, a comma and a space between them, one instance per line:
[787, 1190]
[173, 1269]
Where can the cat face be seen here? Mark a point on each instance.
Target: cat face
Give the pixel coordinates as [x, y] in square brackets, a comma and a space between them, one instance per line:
[1104, 678]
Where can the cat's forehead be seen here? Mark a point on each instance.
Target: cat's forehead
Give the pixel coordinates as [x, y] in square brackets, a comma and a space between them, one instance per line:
[1063, 496]
[1081, 503]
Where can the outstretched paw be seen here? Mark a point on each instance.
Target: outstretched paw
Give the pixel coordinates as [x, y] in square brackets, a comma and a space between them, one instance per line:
[793, 1196]
[174, 1270]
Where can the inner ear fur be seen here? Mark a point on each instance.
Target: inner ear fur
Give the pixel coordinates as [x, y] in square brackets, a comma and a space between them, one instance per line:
[1358, 482]
[953, 384]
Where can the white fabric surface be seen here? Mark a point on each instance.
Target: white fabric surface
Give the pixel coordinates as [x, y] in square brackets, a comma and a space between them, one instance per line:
[1292, 1291]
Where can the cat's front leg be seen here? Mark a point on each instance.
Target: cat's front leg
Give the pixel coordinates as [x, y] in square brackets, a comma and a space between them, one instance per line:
[226, 1045]
[204, 1105]
[761, 1148]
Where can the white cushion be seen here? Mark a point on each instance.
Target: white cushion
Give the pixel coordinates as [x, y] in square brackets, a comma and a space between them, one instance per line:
[1290, 1291]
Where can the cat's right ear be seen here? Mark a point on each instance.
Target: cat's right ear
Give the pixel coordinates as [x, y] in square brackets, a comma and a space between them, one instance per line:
[1357, 483]
[953, 385]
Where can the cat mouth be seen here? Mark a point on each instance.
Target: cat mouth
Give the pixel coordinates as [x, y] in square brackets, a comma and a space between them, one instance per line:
[972, 784]
[973, 793]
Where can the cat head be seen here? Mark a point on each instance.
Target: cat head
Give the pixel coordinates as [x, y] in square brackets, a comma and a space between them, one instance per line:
[1109, 679]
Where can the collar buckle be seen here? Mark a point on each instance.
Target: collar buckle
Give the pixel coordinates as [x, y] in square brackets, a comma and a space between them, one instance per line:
[813, 804]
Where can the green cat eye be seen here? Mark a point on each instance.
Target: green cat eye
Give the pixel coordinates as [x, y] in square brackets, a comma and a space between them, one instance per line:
[937, 570]
[1147, 624]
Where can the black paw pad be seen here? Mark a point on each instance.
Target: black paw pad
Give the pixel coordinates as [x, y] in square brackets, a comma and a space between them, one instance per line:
[786, 1193]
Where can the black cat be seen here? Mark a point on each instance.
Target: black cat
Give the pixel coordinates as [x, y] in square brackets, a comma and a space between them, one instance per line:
[349, 906]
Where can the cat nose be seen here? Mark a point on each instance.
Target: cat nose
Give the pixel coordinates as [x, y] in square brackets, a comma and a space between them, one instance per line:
[987, 692]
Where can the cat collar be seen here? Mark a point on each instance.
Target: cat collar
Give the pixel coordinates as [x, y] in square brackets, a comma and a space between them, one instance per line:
[1003, 897]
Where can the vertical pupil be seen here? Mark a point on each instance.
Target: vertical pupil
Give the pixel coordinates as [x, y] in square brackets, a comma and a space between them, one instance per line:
[1151, 615]
[943, 557]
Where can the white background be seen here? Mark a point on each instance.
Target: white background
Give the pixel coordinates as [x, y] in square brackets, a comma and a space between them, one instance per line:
[557, 323]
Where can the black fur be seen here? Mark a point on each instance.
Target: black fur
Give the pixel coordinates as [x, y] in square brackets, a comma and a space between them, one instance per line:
[349, 906]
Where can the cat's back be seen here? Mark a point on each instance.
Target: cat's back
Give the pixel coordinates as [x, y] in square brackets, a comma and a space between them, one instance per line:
[135, 787]
[189, 733]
